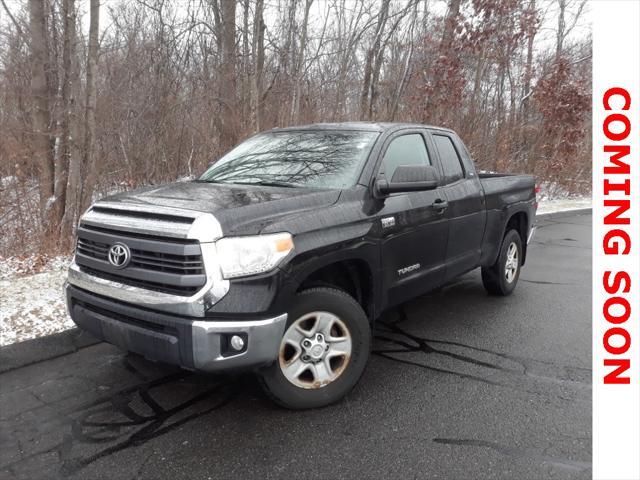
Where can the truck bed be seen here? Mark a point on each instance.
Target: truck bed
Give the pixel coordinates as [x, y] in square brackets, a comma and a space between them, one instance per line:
[502, 189]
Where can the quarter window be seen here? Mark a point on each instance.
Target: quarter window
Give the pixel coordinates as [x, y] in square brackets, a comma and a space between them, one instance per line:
[451, 165]
[405, 150]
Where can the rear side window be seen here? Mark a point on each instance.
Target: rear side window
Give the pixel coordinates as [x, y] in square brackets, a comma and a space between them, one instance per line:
[451, 165]
[405, 150]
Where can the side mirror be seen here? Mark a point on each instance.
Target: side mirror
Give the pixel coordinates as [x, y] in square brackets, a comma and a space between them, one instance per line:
[410, 178]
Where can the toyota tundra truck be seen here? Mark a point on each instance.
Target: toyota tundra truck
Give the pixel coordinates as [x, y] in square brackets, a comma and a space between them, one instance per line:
[280, 257]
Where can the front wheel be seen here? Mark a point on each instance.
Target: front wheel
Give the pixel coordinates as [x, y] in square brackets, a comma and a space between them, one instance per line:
[501, 278]
[323, 351]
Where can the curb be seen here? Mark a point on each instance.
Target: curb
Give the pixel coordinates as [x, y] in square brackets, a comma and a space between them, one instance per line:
[563, 213]
[22, 354]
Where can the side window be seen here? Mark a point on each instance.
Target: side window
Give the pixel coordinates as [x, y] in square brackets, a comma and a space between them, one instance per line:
[405, 150]
[451, 165]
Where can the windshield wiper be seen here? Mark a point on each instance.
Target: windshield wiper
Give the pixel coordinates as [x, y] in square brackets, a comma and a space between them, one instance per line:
[265, 183]
[275, 183]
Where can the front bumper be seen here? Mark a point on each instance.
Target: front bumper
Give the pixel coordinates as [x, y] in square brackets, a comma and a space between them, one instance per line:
[194, 344]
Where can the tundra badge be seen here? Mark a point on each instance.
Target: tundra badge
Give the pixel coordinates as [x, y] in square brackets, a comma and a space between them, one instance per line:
[409, 269]
[388, 222]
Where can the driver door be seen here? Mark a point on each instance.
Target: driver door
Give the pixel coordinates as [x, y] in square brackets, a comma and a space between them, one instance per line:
[414, 230]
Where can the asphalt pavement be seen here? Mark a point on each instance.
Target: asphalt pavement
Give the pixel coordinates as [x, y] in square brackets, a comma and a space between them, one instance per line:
[461, 385]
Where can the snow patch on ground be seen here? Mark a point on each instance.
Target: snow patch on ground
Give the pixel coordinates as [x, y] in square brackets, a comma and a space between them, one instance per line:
[11, 267]
[563, 204]
[31, 298]
[32, 306]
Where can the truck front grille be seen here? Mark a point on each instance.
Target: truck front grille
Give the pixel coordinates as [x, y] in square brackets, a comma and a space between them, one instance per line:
[147, 259]
[147, 285]
[161, 264]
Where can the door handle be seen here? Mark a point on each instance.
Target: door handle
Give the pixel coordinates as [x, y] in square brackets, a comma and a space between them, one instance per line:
[440, 205]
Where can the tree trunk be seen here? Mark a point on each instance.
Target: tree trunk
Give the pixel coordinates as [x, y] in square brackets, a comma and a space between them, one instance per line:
[257, 52]
[377, 65]
[61, 170]
[450, 24]
[346, 56]
[88, 149]
[371, 54]
[69, 178]
[403, 80]
[525, 103]
[40, 113]
[528, 68]
[287, 58]
[246, 69]
[297, 74]
[227, 83]
[477, 84]
[444, 51]
[561, 27]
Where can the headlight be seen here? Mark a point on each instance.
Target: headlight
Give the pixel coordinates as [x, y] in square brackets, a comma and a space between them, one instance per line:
[242, 256]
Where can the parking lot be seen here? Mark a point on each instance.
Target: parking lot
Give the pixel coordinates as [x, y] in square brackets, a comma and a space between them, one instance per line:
[461, 385]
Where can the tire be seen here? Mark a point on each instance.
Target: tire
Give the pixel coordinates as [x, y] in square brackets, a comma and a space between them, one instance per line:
[337, 373]
[501, 278]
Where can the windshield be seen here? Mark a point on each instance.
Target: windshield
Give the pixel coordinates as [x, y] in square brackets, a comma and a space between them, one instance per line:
[317, 159]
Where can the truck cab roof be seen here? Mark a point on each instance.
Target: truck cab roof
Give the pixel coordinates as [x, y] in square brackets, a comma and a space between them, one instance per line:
[358, 126]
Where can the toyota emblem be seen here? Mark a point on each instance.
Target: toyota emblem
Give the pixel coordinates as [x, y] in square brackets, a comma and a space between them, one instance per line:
[119, 255]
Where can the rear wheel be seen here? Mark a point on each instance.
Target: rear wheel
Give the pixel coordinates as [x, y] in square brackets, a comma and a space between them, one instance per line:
[501, 278]
[323, 351]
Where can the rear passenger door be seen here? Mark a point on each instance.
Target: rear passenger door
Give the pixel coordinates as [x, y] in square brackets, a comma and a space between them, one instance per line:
[466, 212]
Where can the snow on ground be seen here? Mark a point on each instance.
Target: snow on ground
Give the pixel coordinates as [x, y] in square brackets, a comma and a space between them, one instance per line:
[12, 267]
[32, 301]
[32, 304]
[563, 204]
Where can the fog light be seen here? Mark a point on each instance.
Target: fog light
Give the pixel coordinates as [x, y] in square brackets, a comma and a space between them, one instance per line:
[237, 343]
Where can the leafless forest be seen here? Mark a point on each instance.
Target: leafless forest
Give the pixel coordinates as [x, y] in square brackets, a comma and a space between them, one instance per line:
[99, 98]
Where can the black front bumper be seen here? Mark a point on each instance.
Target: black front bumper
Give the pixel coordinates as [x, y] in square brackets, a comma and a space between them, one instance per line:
[155, 335]
[191, 343]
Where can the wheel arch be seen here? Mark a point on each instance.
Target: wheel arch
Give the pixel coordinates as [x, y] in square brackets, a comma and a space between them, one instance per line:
[518, 217]
[351, 275]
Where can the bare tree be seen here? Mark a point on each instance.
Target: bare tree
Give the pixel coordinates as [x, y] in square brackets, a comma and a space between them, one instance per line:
[445, 55]
[564, 28]
[41, 120]
[298, 64]
[227, 84]
[88, 150]
[257, 53]
[370, 58]
[65, 185]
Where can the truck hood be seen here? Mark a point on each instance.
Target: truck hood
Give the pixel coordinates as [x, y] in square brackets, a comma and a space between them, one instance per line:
[240, 209]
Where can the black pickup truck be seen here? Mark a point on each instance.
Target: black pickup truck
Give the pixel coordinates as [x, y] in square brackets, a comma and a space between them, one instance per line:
[283, 254]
